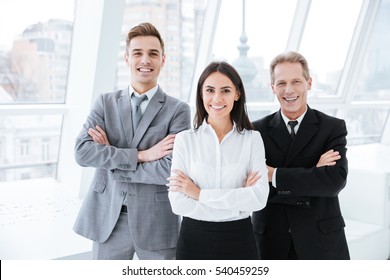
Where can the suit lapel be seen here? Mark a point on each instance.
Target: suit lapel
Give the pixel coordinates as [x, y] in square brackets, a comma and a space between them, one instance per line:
[279, 133]
[124, 108]
[150, 113]
[307, 130]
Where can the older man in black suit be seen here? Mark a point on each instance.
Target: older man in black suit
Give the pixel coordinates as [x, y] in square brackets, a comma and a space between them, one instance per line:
[307, 164]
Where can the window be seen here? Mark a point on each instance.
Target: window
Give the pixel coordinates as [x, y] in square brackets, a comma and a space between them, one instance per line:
[179, 29]
[370, 109]
[27, 141]
[325, 42]
[251, 42]
[34, 61]
[374, 82]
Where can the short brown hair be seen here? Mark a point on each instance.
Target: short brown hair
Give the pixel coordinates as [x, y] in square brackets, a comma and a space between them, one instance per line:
[144, 29]
[291, 57]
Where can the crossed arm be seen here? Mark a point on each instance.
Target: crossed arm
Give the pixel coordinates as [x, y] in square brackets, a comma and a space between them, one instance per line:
[329, 158]
[184, 184]
[181, 182]
[158, 151]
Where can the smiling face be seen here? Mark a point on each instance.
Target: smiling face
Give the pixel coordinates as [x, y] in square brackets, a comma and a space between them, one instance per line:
[291, 87]
[219, 94]
[145, 59]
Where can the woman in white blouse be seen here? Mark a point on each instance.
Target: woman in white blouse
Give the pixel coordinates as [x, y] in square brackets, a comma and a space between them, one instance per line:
[218, 172]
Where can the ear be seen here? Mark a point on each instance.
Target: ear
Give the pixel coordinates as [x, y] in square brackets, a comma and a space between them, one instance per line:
[273, 88]
[163, 60]
[237, 97]
[309, 82]
[126, 57]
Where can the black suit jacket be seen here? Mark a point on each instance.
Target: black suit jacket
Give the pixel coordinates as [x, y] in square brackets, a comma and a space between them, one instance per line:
[304, 205]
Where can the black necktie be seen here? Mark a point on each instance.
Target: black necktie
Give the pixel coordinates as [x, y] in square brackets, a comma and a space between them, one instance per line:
[137, 113]
[292, 124]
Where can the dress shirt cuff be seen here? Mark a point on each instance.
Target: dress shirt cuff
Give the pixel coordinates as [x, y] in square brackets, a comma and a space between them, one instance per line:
[202, 196]
[274, 178]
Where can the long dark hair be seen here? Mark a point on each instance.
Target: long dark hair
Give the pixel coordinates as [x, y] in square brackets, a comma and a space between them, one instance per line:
[239, 112]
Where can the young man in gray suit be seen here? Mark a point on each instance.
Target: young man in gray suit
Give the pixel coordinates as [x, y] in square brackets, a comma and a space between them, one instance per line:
[127, 210]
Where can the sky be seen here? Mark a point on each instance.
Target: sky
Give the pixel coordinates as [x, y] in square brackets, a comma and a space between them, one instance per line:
[16, 15]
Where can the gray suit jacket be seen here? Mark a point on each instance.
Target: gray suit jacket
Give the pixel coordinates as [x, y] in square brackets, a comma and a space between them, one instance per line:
[119, 176]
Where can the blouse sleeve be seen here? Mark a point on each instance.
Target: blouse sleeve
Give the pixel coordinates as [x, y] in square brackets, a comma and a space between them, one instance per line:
[251, 198]
[182, 204]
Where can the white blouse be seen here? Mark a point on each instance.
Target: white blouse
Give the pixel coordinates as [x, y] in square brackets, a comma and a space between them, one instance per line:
[220, 170]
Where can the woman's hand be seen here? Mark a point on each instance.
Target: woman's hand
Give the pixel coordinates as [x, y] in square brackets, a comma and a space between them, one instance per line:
[182, 183]
[252, 178]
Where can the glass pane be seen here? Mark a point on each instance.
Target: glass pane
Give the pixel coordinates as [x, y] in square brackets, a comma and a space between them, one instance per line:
[374, 81]
[365, 125]
[35, 43]
[29, 146]
[257, 114]
[259, 40]
[179, 23]
[325, 42]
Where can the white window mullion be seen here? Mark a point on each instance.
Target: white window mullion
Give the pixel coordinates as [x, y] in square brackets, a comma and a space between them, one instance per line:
[96, 37]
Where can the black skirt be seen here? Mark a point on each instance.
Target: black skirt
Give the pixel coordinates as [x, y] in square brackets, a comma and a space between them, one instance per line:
[200, 240]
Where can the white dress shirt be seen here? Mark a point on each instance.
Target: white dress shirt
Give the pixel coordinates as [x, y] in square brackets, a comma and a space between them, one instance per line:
[220, 170]
[150, 93]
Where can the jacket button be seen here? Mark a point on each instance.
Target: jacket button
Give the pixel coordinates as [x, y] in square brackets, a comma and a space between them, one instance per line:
[122, 194]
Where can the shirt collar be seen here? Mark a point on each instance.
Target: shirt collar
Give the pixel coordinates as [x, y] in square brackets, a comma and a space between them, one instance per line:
[286, 120]
[207, 126]
[150, 93]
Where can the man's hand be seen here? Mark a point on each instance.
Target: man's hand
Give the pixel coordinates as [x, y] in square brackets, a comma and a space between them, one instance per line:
[158, 151]
[329, 158]
[270, 173]
[98, 135]
[182, 183]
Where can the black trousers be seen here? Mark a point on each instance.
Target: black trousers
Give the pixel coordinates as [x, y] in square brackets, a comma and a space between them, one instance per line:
[200, 240]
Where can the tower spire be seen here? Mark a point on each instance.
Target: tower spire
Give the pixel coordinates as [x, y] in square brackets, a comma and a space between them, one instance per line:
[243, 47]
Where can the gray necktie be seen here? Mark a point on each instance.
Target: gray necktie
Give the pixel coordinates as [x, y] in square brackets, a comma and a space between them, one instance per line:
[292, 124]
[137, 113]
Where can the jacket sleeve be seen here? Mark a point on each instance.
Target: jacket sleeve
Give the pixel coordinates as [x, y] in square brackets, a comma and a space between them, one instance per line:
[91, 154]
[157, 172]
[326, 181]
[123, 161]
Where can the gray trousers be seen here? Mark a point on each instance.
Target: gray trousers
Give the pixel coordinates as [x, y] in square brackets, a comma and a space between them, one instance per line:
[120, 246]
